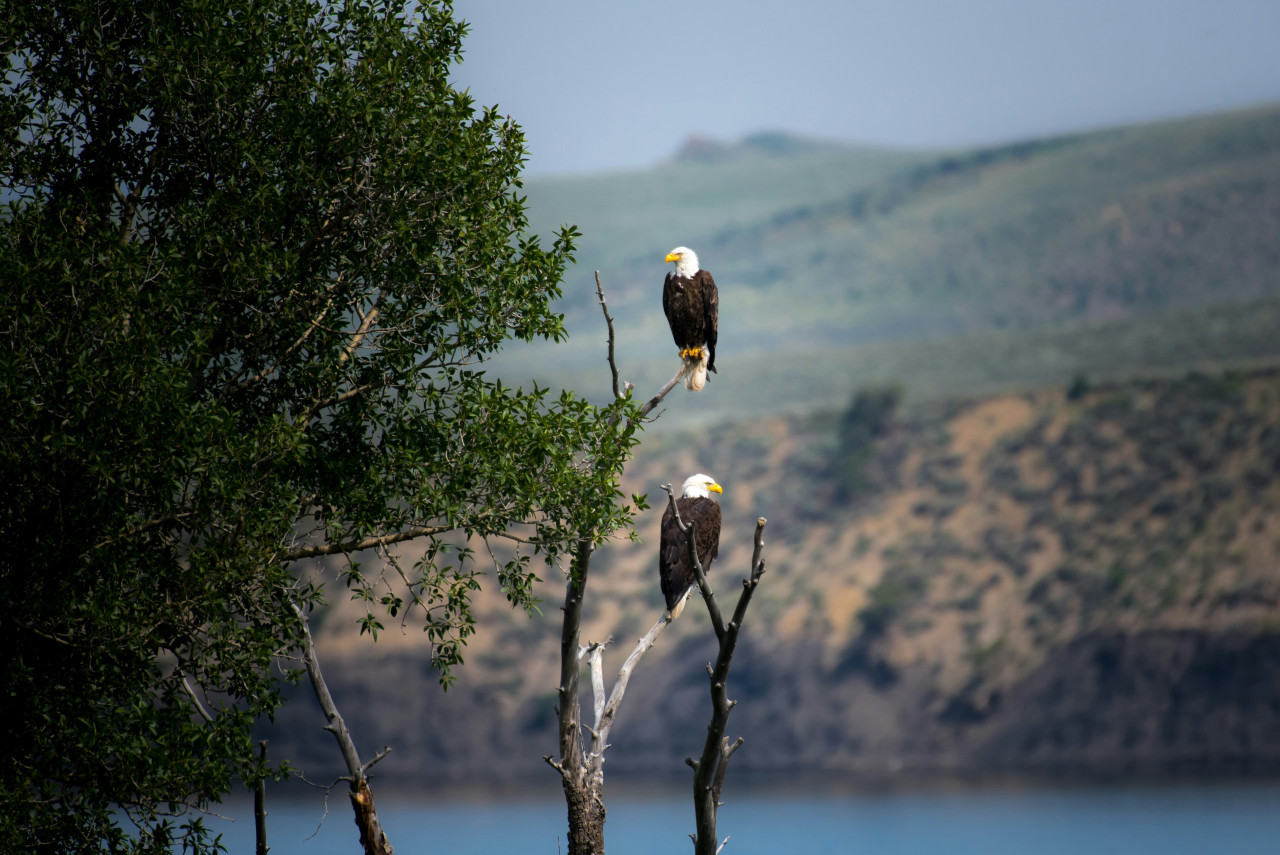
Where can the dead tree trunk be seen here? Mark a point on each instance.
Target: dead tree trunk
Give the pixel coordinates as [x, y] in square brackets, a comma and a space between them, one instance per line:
[372, 839]
[586, 807]
[581, 760]
[709, 769]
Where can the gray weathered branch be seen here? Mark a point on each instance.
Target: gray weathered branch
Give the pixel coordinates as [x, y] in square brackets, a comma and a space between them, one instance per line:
[662, 393]
[606, 712]
[372, 837]
[608, 319]
[709, 769]
[204, 713]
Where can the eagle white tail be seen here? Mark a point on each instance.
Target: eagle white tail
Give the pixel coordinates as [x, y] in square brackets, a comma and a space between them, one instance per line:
[695, 372]
[675, 613]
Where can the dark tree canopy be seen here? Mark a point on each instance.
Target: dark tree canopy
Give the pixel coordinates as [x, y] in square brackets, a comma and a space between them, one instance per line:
[253, 254]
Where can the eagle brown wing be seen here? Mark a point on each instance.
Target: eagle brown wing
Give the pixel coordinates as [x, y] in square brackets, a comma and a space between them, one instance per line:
[675, 573]
[710, 314]
[683, 305]
[667, 287]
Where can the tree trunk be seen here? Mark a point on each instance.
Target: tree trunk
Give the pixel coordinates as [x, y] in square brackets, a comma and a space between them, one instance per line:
[371, 836]
[586, 819]
[260, 805]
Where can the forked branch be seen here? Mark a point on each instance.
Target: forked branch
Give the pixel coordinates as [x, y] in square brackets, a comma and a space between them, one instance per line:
[709, 769]
[607, 711]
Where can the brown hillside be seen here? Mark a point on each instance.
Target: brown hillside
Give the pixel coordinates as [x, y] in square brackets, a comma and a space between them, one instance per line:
[1084, 581]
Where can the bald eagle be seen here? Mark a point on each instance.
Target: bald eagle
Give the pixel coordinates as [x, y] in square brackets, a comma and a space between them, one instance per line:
[692, 306]
[674, 569]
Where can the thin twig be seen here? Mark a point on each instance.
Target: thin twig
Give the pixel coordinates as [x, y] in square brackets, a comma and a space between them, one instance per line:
[195, 700]
[608, 319]
[386, 749]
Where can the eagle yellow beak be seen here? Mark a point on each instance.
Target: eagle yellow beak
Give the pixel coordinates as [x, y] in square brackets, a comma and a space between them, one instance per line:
[715, 488]
[673, 256]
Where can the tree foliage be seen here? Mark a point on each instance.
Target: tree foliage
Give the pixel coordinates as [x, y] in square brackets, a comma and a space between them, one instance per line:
[253, 256]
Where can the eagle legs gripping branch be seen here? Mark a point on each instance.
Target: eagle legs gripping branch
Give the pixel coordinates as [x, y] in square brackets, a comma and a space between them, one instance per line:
[692, 305]
[674, 569]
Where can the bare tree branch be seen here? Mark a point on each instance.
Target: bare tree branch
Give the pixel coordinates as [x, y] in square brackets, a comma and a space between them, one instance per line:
[383, 753]
[608, 319]
[709, 769]
[372, 837]
[662, 393]
[204, 713]
[606, 712]
[367, 320]
[595, 654]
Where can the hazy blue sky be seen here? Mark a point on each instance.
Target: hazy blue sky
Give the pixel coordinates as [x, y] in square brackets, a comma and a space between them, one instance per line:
[600, 85]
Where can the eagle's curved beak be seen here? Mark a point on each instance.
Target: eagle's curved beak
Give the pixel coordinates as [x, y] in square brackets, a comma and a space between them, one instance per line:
[673, 256]
[715, 488]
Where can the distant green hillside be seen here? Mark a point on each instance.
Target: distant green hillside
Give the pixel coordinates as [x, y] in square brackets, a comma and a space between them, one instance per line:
[947, 271]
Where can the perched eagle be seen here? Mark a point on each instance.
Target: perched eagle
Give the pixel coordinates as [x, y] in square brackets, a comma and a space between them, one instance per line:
[696, 506]
[692, 306]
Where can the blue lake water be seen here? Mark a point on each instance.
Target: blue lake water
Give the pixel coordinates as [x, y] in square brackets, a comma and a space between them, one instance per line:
[1168, 820]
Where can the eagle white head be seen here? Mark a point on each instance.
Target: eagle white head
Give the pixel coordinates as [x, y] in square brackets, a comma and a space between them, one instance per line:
[686, 261]
[700, 487]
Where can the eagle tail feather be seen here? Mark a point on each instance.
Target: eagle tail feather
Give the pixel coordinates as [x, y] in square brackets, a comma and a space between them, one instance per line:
[679, 606]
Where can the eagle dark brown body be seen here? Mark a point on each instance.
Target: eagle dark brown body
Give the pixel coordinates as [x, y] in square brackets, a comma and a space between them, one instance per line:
[674, 568]
[692, 307]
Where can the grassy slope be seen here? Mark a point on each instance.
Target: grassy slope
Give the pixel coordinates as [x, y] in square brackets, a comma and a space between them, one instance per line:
[911, 261]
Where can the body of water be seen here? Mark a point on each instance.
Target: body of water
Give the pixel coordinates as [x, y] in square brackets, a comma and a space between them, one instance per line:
[1163, 820]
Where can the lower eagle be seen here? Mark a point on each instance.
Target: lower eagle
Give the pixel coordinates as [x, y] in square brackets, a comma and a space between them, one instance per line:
[692, 305]
[674, 568]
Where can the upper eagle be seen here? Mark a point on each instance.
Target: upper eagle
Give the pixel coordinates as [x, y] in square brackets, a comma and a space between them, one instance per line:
[692, 305]
[675, 571]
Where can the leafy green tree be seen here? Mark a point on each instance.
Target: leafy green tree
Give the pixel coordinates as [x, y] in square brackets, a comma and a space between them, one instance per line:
[253, 257]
